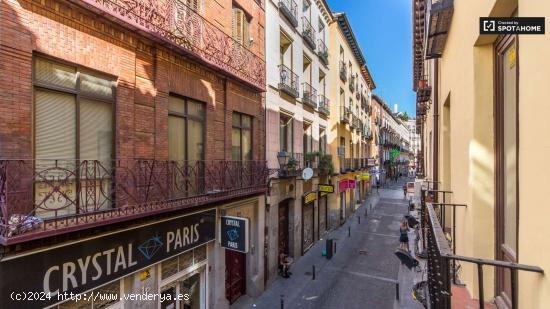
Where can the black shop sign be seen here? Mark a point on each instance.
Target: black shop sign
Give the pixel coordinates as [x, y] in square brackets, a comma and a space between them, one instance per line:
[82, 266]
[234, 233]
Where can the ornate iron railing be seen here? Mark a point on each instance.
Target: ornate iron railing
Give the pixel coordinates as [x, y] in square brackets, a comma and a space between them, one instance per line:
[288, 81]
[442, 259]
[324, 105]
[343, 71]
[46, 197]
[322, 52]
[352, 82]
[173, 22]
[345, 115]
[294, 165]
[289, 8]
[308, 32]
[309, 95]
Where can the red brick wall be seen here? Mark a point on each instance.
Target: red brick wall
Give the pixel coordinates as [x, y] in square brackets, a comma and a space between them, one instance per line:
[146, 74]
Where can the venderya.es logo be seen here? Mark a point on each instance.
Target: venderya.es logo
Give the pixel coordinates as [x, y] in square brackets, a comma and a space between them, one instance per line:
[150, 247]
[511, 25]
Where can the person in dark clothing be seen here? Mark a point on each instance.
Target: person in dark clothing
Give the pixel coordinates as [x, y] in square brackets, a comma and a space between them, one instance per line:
[404, 235]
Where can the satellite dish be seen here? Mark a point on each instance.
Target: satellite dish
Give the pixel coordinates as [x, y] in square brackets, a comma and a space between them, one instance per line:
[307, 173]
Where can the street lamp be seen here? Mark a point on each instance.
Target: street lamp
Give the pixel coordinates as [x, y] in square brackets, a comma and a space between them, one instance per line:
[283, 157]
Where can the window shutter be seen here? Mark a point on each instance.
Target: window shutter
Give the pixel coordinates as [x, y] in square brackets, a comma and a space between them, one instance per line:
[238, 26]
[55, 125]
[96, 131]
[246, 31]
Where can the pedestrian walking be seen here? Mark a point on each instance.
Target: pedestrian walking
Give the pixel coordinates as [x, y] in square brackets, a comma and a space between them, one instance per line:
[404, 235]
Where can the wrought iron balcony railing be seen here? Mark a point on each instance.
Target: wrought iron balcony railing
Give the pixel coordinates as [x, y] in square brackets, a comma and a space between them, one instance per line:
[288, 81]
[352, 82]
[353, 121]
[343, 71]
[289, 8]
[358, 95]
[442, 259]
[345, 115]
[357, 125]
[324, 105]
[309, 95]
[40, 198]
[173, 22]
[294, 166]
[346, 165]
[308, 33]
[322, 52]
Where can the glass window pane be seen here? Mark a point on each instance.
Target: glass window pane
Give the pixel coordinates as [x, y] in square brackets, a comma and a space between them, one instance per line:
[195, 138]
[191, 286]
[195, 109]
[247, 121]
[176, 105]
[510, 147]
[95, 85]
[236, 144]
[185, 260]
[55, 126]
[55, 74]
[96, 130]
[176, 138]
[247, 145]
[199, 254]
[169, 268]
[236, 119]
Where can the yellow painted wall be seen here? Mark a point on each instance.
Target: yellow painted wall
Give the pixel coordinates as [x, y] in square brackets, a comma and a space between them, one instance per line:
[467, 163]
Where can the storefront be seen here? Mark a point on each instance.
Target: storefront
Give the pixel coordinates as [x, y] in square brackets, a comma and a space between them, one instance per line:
[166, 258]
[322, 218]
[308, 220]
[344, 186]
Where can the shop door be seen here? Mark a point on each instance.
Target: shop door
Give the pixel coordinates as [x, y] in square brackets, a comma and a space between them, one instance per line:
[283, 228]
[322, 226]
[307, 226]
[235, 275]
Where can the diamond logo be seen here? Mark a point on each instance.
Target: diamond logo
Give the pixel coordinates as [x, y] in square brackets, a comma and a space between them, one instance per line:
[150, 247]
[232, 234]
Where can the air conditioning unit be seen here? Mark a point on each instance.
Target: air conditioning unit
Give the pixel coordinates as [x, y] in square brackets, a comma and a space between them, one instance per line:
[341, 151]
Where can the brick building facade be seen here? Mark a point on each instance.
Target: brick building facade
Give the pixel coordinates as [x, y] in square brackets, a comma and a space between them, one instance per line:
[151, 53]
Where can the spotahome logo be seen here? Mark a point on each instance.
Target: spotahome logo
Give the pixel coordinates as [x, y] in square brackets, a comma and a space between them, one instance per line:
[511, 25]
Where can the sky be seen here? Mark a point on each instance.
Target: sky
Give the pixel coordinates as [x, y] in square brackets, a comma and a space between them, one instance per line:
[383, 30]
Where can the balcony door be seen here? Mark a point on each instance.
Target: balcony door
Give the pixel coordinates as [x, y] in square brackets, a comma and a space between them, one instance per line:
[506, 161]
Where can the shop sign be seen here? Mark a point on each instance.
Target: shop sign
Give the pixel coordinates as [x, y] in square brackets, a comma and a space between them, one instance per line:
[82, 266]
[310, 197]
[371, 162]
[234, 233]
[326, 188]
[345, 184]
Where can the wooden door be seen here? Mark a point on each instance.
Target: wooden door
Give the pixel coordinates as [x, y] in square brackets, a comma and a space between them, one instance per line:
[283, 228]
[235, 275]
[307, 226]
[322, 226]
[506, 164]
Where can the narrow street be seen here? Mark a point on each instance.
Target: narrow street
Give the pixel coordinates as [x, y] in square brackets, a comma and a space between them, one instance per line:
[362, 274]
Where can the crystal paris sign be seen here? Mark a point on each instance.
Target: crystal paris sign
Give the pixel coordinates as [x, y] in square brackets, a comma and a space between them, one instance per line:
[84, 265]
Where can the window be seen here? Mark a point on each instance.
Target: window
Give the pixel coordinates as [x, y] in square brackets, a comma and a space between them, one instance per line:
[73, 110]
[241, 26]
[322, 140]
[308, 139]
[241, 138]
[286, 129]
[185, 129]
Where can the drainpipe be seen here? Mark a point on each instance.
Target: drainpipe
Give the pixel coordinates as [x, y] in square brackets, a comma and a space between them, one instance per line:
[436, 126]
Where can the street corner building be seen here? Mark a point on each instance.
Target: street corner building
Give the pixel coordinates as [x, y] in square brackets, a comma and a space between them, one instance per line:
[129, 132]
[480, 104]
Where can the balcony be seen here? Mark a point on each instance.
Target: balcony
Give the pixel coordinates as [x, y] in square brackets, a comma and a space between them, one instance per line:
[352, 79]
[424, 91]
[42, 198]
[324, 105]
[322, 52]
[309, 97]
[346, 165]
[177, 25]
[293, 166]
[288, 81]
[442, 258]
[343, 71]
[353, 122]
[289, 8]
[345, 115]
[357, 124]
[358, 95]
[308, 33]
